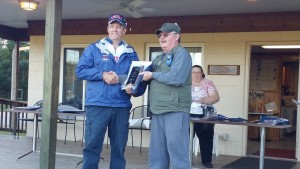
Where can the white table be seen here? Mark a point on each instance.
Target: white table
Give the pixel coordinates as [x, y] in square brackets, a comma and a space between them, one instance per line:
[36, 113]
[262, 134]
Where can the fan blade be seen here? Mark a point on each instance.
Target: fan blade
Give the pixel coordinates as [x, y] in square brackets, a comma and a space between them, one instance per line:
[146, 9]
[136, 3]
[133, 13]
[136, 14]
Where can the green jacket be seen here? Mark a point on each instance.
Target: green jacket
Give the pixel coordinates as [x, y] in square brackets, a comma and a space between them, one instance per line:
[170, 88]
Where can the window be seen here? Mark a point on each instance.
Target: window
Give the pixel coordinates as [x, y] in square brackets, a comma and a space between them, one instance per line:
[72, 88]
[194, 49]
[153, 50]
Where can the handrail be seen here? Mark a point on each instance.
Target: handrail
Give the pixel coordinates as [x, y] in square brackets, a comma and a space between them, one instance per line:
[7, 119]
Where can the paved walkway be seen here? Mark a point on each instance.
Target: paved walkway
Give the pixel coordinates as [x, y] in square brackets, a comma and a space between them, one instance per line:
[11, 149]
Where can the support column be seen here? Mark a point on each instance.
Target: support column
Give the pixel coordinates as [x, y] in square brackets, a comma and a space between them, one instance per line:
[51, 83]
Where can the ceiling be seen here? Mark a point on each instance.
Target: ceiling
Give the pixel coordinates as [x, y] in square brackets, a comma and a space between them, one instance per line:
[12, 15]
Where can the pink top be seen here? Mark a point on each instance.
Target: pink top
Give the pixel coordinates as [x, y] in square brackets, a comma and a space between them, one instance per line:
[203, 89]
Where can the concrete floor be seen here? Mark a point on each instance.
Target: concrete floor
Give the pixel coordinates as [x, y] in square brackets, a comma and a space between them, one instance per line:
[287, 142]
[11, 149]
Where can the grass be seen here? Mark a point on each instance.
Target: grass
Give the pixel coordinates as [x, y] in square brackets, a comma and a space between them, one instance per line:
[10, 133]
[5, 133]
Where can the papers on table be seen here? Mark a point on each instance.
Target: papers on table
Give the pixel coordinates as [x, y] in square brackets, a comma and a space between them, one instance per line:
[61, 108]
[28, 108]
[133, 77]
[68, 109]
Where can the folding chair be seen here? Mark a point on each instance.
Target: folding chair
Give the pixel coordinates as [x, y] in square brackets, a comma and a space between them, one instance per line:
[22, 119]
[139, 120]
[67, 119]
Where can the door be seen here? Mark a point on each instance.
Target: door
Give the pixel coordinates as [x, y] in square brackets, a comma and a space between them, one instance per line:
[273, 79]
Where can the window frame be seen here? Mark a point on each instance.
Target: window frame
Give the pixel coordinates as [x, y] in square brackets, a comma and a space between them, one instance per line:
[147, 58]
[61, 73]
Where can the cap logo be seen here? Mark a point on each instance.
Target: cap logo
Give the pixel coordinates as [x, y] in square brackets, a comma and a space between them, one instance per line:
[117, 18]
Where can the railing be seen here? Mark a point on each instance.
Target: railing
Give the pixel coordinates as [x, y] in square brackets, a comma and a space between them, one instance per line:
[8, 120]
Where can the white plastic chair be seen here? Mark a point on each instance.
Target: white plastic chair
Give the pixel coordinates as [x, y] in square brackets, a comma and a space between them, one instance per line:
[196, 146]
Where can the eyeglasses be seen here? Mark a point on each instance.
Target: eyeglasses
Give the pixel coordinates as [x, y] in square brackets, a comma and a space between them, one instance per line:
[164, 35]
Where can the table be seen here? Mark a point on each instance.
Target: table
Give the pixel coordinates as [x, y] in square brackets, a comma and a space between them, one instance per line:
[255, 114]
[262, 134]
[36, 113]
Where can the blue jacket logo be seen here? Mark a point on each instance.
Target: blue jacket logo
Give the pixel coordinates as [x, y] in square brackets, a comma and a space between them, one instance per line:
[105, 58]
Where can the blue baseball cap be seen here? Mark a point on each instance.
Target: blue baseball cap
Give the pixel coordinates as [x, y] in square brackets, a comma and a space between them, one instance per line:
[117, 18]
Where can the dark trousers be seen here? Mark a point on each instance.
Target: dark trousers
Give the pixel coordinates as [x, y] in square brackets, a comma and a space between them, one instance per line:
[205, 133]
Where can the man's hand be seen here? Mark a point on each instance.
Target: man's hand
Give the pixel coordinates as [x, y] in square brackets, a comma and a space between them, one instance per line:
[128, 89]
[110, 77]
[146, 75]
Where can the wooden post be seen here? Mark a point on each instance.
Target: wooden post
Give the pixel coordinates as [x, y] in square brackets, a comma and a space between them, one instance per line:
[51, 83]
[15, 71]
[14, 81]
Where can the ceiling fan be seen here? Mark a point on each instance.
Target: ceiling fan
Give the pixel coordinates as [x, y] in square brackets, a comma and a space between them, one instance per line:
[132, 7]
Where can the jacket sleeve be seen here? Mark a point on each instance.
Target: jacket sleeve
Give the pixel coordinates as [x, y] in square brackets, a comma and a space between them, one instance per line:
[141, 89]
[179, 72]
[85, 69]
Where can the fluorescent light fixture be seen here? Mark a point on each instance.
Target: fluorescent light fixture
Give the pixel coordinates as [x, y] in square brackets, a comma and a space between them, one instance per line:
[28, 4]
[24, 48]
[281, 46]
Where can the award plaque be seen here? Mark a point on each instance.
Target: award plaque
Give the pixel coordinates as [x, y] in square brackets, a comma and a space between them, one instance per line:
[133, 76]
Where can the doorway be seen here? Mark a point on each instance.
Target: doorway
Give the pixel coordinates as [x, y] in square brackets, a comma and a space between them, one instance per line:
[273, 81]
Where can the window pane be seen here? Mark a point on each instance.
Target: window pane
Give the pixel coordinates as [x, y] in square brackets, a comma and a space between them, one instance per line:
[154, 52]
[195, 52]
[72, 87]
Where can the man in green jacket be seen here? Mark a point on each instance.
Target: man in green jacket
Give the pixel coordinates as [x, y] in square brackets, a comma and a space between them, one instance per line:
[170, 101]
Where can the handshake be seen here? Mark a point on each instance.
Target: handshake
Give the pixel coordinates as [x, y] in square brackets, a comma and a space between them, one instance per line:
[110, 77]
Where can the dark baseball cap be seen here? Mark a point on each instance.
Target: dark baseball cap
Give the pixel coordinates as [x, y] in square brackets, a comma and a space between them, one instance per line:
[117, 18]
[168, 27]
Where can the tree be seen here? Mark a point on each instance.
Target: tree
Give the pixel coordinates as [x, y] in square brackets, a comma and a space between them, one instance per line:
[6, 48]
[5, 69]
[23, 71]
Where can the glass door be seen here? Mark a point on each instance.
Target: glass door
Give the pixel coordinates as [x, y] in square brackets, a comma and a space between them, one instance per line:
[72, 93]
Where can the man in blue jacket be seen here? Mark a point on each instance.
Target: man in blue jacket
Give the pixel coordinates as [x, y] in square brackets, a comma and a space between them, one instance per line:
[105, 65]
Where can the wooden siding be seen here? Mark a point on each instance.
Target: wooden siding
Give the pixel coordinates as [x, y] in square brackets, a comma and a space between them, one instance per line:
[284, 21]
